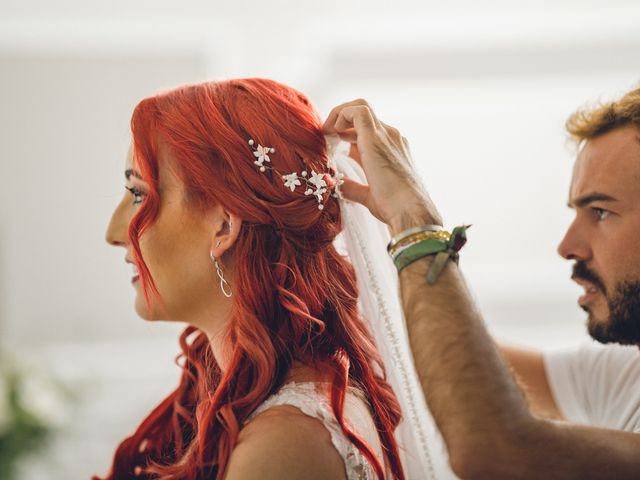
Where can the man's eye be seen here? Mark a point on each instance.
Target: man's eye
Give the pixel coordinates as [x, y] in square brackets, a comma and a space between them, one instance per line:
[138, 195]
[601, 214]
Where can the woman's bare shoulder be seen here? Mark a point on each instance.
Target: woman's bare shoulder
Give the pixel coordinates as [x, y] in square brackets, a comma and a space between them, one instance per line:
[284, 443]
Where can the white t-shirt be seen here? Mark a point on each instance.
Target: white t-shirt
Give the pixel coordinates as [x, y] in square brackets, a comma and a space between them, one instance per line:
[597, 385]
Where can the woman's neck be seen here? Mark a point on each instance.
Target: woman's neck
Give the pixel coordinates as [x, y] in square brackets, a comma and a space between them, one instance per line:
[298, 372]
[216, 340]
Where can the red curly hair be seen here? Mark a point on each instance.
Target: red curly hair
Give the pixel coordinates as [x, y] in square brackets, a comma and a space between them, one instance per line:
[295, 297]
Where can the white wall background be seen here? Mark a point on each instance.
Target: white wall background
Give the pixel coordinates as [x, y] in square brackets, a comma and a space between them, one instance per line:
[481, 89]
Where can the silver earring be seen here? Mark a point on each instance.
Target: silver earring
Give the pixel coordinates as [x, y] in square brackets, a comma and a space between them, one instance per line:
[224, 285]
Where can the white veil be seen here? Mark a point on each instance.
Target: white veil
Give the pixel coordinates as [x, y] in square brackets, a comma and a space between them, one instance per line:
[364, 240]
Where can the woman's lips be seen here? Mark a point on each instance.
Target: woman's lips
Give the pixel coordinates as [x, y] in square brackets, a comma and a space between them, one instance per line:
[136, 276]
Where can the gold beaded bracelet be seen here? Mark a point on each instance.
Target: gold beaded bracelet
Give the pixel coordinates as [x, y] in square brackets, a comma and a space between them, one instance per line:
[411, 246]
[411, 231]
[409, 240]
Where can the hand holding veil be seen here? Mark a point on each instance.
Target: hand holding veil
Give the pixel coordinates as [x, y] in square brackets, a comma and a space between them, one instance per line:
[365, 239]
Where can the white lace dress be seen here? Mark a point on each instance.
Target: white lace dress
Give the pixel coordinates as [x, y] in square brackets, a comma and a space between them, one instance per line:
[310, 400]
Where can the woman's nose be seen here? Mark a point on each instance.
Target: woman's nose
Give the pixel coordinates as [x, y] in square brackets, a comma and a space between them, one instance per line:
[116, 233]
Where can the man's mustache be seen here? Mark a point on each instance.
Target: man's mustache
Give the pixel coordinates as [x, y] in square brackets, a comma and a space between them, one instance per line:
[580, 270]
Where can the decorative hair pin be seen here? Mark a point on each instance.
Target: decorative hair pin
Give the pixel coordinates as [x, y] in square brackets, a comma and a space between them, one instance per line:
[316, 183]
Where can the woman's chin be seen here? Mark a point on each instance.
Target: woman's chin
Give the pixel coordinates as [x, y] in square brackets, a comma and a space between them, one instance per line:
[144, 313]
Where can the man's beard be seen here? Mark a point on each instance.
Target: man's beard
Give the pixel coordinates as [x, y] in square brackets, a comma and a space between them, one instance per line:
[623, 324]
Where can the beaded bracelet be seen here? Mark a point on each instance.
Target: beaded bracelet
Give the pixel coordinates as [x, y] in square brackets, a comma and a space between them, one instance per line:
[432, 245]
[412, 231]
[407, 241]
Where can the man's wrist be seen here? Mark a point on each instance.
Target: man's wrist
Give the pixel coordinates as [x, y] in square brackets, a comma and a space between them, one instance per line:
[412, 218]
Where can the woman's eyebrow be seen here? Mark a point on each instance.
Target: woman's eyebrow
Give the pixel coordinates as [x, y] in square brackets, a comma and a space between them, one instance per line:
[129, 172]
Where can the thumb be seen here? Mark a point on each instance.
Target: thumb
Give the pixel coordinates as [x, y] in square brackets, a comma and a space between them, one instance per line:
[355, 191]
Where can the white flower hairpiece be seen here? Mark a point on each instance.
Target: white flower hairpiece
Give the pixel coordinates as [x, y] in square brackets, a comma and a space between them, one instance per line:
[316, 183]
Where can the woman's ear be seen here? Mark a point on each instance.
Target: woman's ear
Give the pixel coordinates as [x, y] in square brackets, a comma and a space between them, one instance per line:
[226, 230]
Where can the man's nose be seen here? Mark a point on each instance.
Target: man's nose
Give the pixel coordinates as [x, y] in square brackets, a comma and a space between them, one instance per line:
[574, 245]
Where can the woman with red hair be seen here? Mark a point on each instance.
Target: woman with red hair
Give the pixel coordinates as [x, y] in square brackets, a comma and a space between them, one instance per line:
[229, 216]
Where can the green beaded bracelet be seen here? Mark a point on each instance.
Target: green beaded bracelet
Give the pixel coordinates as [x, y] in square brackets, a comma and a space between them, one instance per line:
[443, 251]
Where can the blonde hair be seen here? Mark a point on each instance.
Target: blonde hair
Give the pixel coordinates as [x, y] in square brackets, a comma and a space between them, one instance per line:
[588, 123]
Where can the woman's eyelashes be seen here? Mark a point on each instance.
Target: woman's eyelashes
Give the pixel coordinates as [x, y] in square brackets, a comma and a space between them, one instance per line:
[138, 195]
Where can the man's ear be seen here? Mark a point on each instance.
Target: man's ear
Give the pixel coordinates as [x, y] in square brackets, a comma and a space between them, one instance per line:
[226, 228]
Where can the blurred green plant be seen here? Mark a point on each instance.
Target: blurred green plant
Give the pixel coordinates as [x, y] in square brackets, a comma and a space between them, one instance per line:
[32, 407]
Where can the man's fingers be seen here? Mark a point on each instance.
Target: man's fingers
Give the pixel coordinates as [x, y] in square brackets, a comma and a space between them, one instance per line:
[330, 122]
[349, 135]
[355, 153]
[358, 117]
[355, 191]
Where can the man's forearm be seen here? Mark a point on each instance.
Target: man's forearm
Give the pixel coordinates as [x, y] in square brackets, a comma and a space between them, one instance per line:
[470, 392]
[476, 403]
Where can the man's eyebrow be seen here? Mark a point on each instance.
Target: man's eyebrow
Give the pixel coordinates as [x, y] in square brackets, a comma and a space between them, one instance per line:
[585, 200]
[129, 172]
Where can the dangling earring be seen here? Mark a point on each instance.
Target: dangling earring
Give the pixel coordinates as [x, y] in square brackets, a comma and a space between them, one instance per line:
[223, 282]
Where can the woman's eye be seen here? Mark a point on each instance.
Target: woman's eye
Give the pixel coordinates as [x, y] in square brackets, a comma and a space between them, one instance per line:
[138, 195]
[600, 213]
